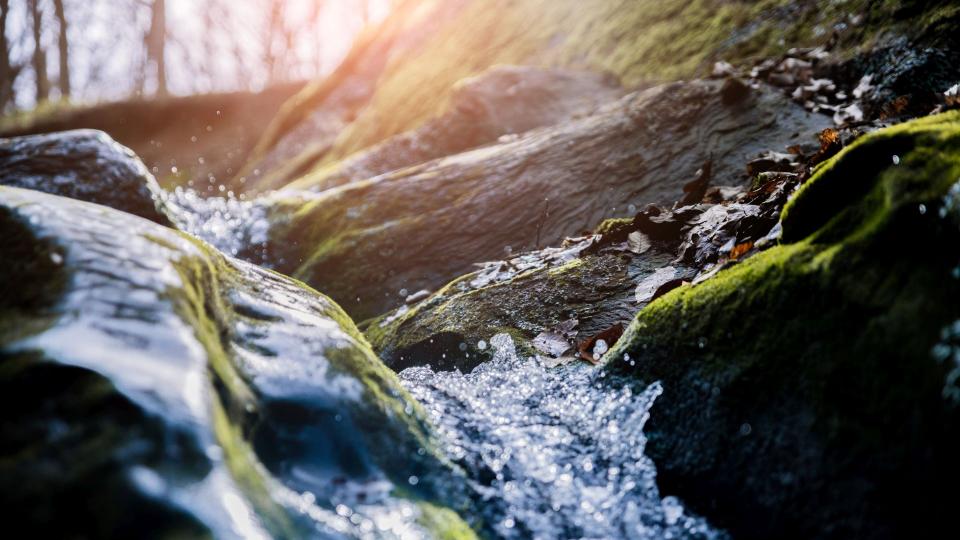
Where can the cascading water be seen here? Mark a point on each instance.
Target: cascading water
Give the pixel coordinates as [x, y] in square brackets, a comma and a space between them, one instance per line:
[553, 453]
[234, 226]
[549, 452]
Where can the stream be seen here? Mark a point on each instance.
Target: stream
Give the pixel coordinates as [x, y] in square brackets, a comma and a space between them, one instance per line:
[548, 452]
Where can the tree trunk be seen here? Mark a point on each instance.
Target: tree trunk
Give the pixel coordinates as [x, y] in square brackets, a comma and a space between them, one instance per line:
[157, 43]
[39, 55]
[8, 73]
[64, 49]
[272, 41]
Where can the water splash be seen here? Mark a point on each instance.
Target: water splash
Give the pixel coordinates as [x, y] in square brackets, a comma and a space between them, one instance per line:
[553, 453]
[234, 226]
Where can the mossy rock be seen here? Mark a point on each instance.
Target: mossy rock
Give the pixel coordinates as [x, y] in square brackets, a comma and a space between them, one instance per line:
[366, 241]
[166, 386]
[444, 330]
[810, 391]
[86, 165]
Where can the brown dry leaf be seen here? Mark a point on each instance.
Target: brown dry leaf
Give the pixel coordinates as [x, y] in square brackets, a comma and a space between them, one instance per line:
[830, 144]
[609, 337]
[828, 138]
[740, 249]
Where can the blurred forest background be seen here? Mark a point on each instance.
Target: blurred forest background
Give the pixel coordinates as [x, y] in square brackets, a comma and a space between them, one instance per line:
[189, 85]
[53, 51]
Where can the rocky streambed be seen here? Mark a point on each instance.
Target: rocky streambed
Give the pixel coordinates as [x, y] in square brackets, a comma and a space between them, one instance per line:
[703, 309]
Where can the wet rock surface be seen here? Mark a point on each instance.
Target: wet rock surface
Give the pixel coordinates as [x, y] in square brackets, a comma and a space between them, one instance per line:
[522, 298]
[808, 391]
[368, 240]
[86, 165]
[157, 381]
[500, 103]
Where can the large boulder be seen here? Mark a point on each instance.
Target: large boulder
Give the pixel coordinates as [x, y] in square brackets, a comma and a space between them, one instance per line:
[812, 390]
[82, 164]
[367, 241]
[157, 388]
[500, 102]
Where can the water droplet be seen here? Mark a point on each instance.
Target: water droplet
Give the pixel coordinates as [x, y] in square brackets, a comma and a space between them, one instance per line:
[896, 159]
[56, 258]
[482, 345]
[413, 480]
[600, 348]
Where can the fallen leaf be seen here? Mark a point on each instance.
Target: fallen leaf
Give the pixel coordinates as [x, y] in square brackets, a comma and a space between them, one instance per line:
[740, 249]
[551, 343]
[604, 340]
[669, 286]
[697, 188]
[638, 243]
[648, 287]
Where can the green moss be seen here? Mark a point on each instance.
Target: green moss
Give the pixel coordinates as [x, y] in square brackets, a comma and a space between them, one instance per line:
[613, 226]
[444, 524]
[814, 340]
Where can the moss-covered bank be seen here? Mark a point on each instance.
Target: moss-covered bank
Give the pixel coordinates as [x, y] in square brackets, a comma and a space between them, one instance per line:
[809, 391]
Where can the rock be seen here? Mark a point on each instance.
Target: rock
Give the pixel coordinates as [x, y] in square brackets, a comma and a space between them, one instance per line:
[86, 165]
[906, 77]
[368, 240]
[537, 299]
[150, 380]
[811, 391]
[442, 42]
[500, 102]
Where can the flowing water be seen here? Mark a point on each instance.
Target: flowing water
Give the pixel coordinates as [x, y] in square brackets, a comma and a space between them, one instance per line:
[550, 452]
[553, 453]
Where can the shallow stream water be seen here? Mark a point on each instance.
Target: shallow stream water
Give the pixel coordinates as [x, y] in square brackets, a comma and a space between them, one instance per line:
[549, 452]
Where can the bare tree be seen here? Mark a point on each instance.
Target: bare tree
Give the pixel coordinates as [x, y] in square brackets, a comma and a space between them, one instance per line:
[156, 42]
[8, 70]
[271, 44]
[39, 54]
[64, 47]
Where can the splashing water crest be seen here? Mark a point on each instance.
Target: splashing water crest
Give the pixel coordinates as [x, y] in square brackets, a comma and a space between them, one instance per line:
[236, 227]
[552, 453]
